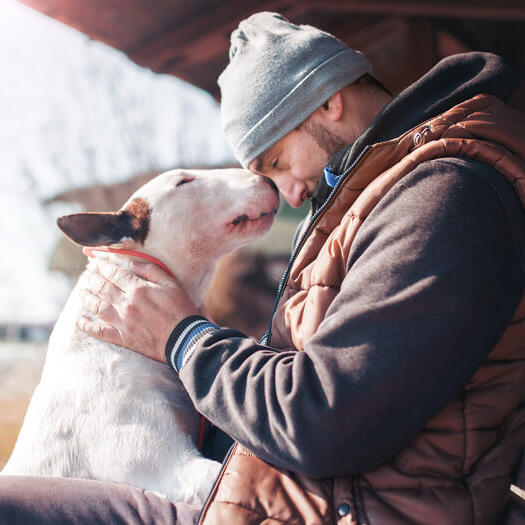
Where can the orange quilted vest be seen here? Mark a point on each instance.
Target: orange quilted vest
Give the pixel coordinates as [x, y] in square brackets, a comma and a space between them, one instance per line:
[458, 469]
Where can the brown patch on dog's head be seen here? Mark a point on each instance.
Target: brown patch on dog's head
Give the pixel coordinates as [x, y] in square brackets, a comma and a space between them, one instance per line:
[139, 213]
[103, 229]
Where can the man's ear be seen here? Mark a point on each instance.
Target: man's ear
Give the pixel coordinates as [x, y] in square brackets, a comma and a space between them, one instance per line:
[333, 107]
[102, 229]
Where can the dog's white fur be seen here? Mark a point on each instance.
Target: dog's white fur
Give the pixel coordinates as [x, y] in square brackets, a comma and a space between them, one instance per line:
[107, 413]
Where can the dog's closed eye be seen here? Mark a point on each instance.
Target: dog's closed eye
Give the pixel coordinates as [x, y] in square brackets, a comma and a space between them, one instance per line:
[185, 180]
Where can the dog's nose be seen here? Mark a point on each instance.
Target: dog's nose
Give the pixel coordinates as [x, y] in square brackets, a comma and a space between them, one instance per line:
[272, 185]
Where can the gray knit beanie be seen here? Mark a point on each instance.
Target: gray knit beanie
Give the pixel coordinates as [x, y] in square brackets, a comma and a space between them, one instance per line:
[279, 74]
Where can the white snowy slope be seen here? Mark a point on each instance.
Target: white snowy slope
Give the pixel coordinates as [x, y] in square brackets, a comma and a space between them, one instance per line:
[75, 112]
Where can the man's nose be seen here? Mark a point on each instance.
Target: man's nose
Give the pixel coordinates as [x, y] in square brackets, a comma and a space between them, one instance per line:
[293, 193]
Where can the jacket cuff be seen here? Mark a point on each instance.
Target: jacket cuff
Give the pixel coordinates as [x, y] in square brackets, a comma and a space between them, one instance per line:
[184, 338]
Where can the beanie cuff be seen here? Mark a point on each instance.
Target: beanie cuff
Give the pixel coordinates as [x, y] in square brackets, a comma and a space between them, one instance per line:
[315, 89]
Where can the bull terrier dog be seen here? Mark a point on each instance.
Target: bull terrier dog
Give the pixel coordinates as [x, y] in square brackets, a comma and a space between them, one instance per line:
[107, 413]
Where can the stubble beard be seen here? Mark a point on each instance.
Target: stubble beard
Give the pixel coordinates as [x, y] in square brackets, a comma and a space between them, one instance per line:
[329, 142]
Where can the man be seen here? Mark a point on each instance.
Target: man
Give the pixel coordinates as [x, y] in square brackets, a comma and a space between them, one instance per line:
[404, 295]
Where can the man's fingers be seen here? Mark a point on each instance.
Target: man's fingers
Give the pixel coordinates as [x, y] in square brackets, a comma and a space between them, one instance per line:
[105, 282]
[97, 306]
[91, 301]
[119, 277]
[150, 272]
[99, 330]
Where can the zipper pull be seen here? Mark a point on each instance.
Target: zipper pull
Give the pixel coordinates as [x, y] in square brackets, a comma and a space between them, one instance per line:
[419, 138]
[330, 177]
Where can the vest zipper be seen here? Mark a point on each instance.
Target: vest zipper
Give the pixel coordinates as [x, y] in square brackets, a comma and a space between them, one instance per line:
[267, 337]
[208, 497]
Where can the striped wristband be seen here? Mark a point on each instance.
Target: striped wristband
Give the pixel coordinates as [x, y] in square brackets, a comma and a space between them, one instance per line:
[183, 340]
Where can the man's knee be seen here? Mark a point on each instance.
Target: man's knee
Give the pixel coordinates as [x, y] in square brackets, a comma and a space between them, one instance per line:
[26, 500]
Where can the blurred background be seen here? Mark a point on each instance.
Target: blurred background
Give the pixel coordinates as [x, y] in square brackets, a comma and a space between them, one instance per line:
[97, 97]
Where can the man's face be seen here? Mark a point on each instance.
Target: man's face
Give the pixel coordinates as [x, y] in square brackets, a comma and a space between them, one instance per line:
[295, 163]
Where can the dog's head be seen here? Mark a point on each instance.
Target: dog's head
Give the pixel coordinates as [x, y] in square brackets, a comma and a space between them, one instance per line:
[183, 215]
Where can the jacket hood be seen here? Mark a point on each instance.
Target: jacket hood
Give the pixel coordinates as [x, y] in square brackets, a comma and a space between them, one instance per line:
[451, 81]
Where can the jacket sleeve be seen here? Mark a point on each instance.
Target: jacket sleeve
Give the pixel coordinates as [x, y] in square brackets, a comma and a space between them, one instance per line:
[433, 278]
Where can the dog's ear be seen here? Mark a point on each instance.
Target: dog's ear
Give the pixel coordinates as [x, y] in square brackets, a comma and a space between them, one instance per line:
[95, 229]
[103, 229]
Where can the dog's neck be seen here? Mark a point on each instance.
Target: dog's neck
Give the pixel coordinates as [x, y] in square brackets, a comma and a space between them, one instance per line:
[195, 278]
[192, 277]
[133, 253]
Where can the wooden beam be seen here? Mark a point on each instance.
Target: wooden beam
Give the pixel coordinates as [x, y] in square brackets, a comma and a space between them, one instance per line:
[104, 20]
[369, 36]
[448, 44]
[470, 9]
[211, 45]
[421, 48]
[167, 47]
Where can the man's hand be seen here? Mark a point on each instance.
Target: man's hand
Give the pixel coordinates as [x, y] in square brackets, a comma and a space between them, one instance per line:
[137, 310]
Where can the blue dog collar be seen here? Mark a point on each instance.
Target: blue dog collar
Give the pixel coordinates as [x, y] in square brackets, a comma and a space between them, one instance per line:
[330, 177]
